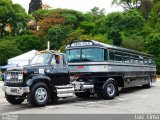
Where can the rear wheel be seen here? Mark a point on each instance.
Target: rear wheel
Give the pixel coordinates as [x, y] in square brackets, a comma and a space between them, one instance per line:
[39, 95]
[85, 94]
[13, 99]
[148, 85]
[109, 90]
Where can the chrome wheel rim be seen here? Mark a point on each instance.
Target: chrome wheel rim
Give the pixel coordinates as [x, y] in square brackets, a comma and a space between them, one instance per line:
[110, 89]
[41, 94]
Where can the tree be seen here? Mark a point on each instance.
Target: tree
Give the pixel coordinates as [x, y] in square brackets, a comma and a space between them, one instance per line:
[87, 26]
[8, 49]
[5, 15]
[115, 36]
[34, 5]
[41, 14]
[127, 4]
[26, 43]
[52, 20]
[97, 11]
[153, 47]
[145, 7]
[56, 36]
[19, 20]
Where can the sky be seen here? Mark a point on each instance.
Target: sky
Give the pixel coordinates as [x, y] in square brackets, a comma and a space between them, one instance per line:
[80, 5]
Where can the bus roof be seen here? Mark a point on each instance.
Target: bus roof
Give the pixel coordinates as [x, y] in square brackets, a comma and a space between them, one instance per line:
[93, 43]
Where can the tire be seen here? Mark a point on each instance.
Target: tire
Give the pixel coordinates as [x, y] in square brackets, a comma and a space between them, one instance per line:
[13, 99]
[147, 85]
[99, 94]
[53, 99]
[109, 90]
[39, 95]
[85, 94]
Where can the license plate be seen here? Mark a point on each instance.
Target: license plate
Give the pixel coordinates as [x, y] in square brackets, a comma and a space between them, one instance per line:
[14, 90]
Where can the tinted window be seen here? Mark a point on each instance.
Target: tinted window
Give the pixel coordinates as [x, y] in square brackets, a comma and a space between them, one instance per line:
[118, 57]
[111, 55]
[146, 61]
[92, 55]
[126, 59]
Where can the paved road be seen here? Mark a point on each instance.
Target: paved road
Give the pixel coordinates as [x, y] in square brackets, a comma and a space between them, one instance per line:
[135, 100]
[1, 93]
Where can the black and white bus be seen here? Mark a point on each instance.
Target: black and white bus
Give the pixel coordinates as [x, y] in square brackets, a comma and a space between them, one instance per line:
[105, 68]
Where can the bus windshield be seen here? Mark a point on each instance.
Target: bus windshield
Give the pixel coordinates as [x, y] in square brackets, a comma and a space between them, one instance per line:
[41, 59]
[85, 55]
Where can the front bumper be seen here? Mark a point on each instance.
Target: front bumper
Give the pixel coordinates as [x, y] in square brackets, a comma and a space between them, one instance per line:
[17, 91]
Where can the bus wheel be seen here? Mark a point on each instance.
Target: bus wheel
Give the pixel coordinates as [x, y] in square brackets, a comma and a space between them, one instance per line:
[148, 85]
[109, 90]
[99, 93]
[85, 94]
[39, 95]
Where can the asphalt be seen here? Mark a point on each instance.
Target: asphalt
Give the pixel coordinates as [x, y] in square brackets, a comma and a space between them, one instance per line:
[131, 101]
[1, 92]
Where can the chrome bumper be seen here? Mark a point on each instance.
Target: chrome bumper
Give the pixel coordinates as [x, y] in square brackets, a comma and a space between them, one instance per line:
[17, 91]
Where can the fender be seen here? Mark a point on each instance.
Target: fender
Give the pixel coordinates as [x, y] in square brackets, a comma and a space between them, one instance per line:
[38, 78]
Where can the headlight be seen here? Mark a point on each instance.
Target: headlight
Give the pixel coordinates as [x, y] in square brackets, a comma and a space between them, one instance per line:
[8, 77]
[20, 76]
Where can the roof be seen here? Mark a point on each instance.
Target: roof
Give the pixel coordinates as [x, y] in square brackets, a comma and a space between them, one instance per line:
[103, 45]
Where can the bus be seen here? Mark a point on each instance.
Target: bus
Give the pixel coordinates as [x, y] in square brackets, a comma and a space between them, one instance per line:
[105, 68]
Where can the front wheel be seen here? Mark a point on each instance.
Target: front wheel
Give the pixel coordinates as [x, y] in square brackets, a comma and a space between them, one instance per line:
[13, 99]
[39, 95]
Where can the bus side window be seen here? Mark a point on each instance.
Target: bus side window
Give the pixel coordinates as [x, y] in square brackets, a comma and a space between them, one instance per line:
[110, 55]
[153, 62]
[126, 58]
[149, 61]
[141, 61]
[136, 59]
[131, 59]
[118, 57]
[145, 61]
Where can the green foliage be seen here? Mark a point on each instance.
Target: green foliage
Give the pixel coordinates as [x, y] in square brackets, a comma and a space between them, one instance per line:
[8, 49]
[26, 43]
[6, 13]
[137, 27]
[41, 14]
[87, 26]
[56, 35]
[127, 4]
[19, 20]
[115, 36]
[14, 16]
[153, 47]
